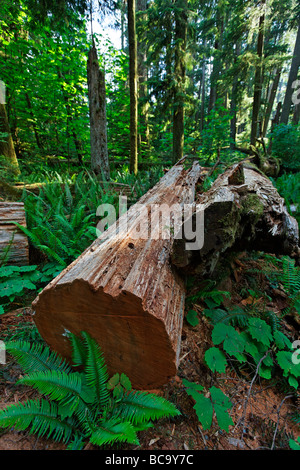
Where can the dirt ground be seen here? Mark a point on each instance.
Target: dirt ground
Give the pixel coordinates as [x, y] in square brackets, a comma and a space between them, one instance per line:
[261, 411]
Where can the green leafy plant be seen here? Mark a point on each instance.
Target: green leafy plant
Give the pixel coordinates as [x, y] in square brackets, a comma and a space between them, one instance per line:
[258, 345]
[15, 281]
[291, 284]
[285, 145]
[192, 318]
[209, 295]
[288, 186]
[295, 445]
[80, 403]
[216, 133]
[205, 406]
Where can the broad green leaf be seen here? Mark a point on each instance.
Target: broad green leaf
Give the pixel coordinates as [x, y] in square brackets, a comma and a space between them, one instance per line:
[250, 346]
[281, 340]
[285, 361]
[192, 385]
[113, 381]
[260, 331]
[293, 382]
[221, 405]
[295, 445]
[125, 382]
[192, 318]
[233, 343]
[264, 372]
[204, 411]
[215, 360]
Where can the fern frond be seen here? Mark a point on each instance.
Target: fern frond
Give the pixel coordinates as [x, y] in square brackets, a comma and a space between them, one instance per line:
[236, 316]
[273, 320]
[36, 357]
[43, 417]
[138, 407]
[57, 385]
[77, 443]
[78, 351]
[96, 370]
[111, 430]
[290, 276]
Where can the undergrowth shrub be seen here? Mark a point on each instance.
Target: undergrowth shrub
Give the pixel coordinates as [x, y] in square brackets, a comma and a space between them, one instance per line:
[80, 404]
[286, 146]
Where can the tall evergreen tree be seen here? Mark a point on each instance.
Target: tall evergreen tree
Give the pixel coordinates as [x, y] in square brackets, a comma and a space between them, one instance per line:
[133, 83]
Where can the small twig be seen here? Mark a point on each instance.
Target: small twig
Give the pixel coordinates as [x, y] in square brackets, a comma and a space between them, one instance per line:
[182, 357]
[203, 437]
[278, 417]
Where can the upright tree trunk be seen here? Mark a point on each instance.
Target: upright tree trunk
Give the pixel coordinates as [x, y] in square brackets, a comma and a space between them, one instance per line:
[296, 114]
[233, 111]
[97, 107]
[179, 75]
[286, 107]
[77, 141]
[213, 96]
[258, 79]
[33, 123]
[142, 85]
[202, 106]
[271, 100]
[123, 17]
[233, 103]
[213, 81]
[7, 149]
[133, 85]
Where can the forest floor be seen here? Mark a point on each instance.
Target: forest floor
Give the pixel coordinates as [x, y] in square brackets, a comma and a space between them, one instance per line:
[261, 411]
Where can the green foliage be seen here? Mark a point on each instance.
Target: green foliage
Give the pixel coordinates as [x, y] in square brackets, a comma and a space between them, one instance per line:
[61, 220]
[286, 145]
[295, 445]
[216, 133]
[205, 406]
[216, 360]
[256, 344]
[291, 283]
[80, 403]
[288, 186]
[15, 281]
[192, 318]
[233, 316]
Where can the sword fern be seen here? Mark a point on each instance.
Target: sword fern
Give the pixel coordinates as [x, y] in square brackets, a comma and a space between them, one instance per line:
[79, 403]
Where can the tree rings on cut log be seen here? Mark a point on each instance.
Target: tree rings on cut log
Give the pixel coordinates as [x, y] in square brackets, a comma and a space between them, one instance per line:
[13, 242]
[124, 291]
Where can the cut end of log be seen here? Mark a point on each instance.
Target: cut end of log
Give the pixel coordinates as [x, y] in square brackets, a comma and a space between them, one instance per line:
[134, 341]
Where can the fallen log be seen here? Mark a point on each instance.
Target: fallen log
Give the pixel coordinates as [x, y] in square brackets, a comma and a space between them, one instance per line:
[13, 243]
[123, 290]
[242, 210]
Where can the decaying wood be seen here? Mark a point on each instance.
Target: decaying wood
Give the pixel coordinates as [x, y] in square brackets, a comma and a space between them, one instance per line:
[124, 291]
[242, 210]
[13, 242]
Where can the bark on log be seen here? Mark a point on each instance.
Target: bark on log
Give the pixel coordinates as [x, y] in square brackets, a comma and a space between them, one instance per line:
[124, 291]
[242, 210]
[13, 242]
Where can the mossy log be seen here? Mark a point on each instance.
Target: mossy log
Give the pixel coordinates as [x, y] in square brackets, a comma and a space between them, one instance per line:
[242, 210]
[124, 292]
